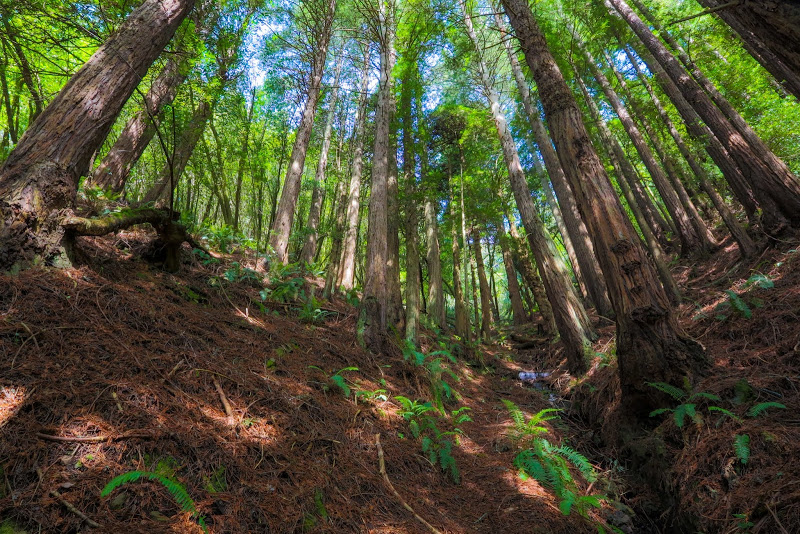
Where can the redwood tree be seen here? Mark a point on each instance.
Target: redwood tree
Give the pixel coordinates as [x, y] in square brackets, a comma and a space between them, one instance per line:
[39, 180]
[650, 344]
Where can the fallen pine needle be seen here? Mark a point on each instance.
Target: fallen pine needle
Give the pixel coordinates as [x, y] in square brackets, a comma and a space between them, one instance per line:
[382, 469]
[69, 506]
[95, 439]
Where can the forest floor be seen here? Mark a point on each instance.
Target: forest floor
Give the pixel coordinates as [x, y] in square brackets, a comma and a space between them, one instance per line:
[268, 413]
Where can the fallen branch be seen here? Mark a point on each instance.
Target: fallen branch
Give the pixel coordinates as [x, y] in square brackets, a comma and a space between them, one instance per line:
[95, 439]
[382, 469]
[69, 506]
[225, 403]
[171, 233]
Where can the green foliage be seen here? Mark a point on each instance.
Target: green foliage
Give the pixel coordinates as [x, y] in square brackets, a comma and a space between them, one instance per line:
[549, 464]
[218, 482]
[205, 258]
[283, 291]
[237, 273]
[762, 407]
[437, 445]
[741, 446]
[340, 382]
[174, 488]
[311, 312]
[741, 304]
[437, 367]
[686, 408]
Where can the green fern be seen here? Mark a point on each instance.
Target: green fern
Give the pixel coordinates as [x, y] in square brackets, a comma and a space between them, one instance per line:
[762, 407]
[676, 393]
[741, 446]
[579, 461]
[739, 305]
[175, 489]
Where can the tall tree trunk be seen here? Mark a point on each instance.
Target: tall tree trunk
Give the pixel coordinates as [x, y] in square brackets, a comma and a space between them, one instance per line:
[776, 190]
[769, 31]
[776, 165]
[24, 68]
[339, 214]
[394, 295]
[570, 316]
[576, 231]
[476, 320]
[436, 306]
[689, 238]
[284, 217]
[700, 131]
[660, 260]
[185, 144]
[318, 194]
[487, 317]
[650, 344]
[673, 171]
[243, 150]
[462, 315]
[413, 280]
[517, 307]
[746, 245]
[376, 294]
[40, 177]
[115, 167]
[532, 279]
[347, 264]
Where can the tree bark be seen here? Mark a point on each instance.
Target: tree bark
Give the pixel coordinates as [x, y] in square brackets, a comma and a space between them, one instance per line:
[184, 147]
[413, 280]
[243, 150]
[376, 294]
[650, 344]
[114, 169]
[576, 232]
[517, 307]
[40, 177]
[532, 279]
[394, 294]
[746, 245]
[673, 170]
[660, 259]
[776, 189]
[318, 194]
[462, 315]
[770, 32]
[487, 317]
[347, 264]
[570, 316]
[689, 238]
[284, 217]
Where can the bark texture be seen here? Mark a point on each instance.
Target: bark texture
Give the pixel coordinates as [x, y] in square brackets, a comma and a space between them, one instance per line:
[284, 217]
[40, 177]
[650, 344]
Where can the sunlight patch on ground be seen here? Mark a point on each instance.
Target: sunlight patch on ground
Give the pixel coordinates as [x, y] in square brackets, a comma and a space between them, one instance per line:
[11, 400]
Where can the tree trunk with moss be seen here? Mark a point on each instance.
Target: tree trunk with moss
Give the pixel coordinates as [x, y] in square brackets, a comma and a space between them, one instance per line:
[39, 180]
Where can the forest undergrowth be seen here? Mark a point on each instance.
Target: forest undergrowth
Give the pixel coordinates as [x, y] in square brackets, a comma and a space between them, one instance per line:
[262, 407]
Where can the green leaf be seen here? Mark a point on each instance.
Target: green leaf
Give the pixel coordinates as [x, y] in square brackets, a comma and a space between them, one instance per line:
[762, 407]
[741, 446]
[669, 389]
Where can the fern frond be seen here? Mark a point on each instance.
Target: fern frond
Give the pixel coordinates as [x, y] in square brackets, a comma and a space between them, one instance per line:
[723, 411]
[660, 411]
[741, 446]
[516, 414]
[762, 407]
[579, 461]
[174, 488]
[704, 395]
[669, 389]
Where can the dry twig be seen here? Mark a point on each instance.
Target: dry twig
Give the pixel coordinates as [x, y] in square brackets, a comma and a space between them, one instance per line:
[382, 469]
[69, 506]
